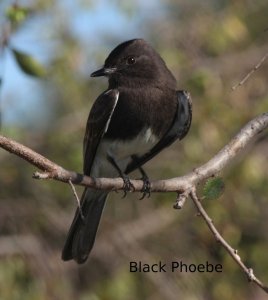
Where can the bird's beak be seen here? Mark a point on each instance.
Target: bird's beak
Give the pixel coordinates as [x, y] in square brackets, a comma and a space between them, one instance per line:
[103, 72]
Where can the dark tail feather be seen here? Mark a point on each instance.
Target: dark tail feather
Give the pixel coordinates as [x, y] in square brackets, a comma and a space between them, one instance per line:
[82, 233]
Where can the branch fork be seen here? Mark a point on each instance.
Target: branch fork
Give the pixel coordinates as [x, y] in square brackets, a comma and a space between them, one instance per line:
[184, 186]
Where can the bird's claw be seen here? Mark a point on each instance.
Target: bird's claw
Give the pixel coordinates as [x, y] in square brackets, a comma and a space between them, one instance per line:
[146, 189]
[128, 186]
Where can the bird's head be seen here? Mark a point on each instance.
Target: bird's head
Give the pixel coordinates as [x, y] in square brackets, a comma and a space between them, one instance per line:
[135, 62]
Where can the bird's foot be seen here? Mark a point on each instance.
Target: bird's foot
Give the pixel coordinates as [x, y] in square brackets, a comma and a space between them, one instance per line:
[128, 186]
[146, 189]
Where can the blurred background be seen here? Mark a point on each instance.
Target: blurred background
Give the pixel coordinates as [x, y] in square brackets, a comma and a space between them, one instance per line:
[48, 50]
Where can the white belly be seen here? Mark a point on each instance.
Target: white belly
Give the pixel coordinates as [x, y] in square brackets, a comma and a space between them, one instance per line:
[121, 153]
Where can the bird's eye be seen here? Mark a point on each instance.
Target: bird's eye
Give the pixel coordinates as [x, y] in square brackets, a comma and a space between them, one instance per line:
[131, 60]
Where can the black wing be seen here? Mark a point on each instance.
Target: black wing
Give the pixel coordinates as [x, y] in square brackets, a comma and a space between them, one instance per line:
[178, 129]
[97, 124]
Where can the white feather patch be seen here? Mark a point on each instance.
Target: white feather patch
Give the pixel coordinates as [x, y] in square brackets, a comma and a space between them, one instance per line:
[109, 120]
[121, 151]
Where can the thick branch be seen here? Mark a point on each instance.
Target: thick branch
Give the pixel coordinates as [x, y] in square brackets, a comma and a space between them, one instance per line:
[185, 185]
[212, 167]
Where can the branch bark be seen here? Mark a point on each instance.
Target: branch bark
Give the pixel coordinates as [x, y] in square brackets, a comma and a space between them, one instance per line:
[185, 185]
[177, 184]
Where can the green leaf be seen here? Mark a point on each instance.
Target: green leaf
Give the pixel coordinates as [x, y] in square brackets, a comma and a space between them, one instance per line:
[16, 13]
[28, 64]
[213, 189]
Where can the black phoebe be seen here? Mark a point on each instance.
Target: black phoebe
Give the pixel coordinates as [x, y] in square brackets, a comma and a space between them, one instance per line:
[139, 115]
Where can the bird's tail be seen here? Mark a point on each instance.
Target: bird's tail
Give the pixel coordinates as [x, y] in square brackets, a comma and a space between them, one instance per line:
[82, 233]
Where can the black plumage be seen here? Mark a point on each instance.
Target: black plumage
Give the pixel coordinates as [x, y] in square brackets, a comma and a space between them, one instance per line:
[139, 115]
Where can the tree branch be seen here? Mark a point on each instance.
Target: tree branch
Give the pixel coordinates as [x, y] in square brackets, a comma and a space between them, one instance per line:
[233, 253]
[184, 185]
[178, 184]
[254, 69]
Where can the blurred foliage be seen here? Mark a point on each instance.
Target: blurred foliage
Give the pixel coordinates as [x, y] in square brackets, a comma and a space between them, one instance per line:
[16, 14]
[213, 188]
[209, 46]
[28, 64]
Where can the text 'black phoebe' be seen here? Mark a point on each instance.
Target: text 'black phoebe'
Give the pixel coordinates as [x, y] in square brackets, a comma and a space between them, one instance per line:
[139, 115]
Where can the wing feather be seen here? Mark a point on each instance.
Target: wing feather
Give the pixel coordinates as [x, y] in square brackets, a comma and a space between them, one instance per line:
[178, 130]
[97, 124]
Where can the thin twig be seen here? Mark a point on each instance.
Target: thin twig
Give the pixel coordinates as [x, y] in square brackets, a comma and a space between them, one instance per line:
[77, 199]
[226, 246]
[256, 67]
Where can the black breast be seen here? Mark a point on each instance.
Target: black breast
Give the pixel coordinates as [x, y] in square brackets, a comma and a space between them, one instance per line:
[142, 108]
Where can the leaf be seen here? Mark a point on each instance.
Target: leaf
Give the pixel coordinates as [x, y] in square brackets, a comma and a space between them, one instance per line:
[28, 64]
[214, 188]
[16, 13]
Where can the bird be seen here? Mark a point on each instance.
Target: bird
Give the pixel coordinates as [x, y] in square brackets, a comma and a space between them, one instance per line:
[136, 117]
